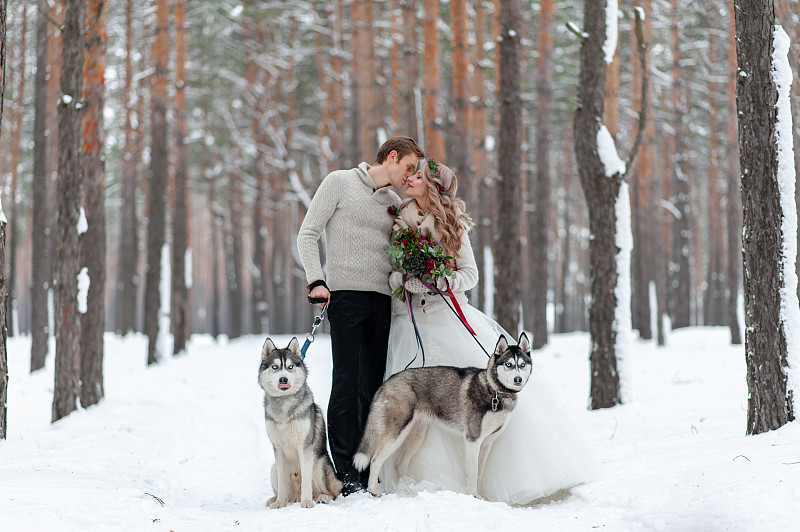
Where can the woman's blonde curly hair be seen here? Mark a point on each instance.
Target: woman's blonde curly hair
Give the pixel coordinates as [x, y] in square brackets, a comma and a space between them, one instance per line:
[449, 212]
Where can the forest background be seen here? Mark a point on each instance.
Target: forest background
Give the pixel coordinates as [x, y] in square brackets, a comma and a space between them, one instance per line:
[260, 100]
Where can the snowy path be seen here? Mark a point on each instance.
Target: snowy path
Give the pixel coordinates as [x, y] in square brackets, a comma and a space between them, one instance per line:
[191, 433]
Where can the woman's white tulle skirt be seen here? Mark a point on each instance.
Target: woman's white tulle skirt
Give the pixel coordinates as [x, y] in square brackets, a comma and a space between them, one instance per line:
[540, 452]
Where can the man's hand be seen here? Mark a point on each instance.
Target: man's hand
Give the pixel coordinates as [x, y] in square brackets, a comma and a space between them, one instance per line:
[320, 292]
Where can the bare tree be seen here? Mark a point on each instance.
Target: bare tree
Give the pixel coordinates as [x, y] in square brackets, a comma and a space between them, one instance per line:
[68, 324]
[157, 175]
[602, 176]
[733, 208]
[364, 69]
[127, 280]
[433, 141]
[509, 158]
[93, 242]
[771, 306]
[461, 161]
[679, 271]
[3, 286]
[540, 188]
[41, 260]
[15, 149]
[482, 234]
[643, 259]
[180, 226]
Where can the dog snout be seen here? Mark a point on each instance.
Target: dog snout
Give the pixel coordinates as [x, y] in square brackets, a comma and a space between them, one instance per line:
[283, 380]
[517, 380]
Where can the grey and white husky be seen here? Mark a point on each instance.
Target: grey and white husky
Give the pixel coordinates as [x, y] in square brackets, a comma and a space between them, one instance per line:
[303, 471]
[475, 403]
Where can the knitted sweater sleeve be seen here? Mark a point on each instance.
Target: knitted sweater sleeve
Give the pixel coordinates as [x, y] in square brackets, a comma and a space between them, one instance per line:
[466, 274]
[322, 207]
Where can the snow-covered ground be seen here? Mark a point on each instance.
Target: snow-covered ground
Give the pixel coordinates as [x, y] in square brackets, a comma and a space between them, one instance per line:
[182, 446]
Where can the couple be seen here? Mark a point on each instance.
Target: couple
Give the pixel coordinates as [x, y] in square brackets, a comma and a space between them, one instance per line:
[372, 337]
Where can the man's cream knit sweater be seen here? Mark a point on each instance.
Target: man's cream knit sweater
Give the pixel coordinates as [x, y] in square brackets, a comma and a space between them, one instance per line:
[357, 225]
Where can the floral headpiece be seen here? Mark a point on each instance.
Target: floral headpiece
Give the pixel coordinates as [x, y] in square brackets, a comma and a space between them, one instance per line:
[435, 175]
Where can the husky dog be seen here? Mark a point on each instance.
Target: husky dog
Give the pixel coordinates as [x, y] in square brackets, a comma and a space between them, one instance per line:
[472, 402]
[303, 469]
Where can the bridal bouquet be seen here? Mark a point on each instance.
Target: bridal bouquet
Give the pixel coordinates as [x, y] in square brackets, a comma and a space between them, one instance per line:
[419, 255]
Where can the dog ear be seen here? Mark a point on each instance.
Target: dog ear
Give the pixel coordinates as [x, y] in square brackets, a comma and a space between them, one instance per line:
[502, 345]
[268, 348]
[294, 346]
[523, 343]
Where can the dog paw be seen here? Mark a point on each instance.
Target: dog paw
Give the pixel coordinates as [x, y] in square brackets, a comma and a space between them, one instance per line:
[307, 504]
[323, 498]
[376, 493]
[271, 500]
[278, 504]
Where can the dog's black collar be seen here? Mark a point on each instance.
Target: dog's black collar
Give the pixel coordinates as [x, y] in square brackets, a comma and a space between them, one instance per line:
[496, 396]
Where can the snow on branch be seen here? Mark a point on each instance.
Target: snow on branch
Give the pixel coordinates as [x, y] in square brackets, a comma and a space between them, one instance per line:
[612, 30]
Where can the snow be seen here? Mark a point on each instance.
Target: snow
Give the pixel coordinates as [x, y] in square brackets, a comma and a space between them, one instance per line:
[622, 291]
[190, 432]
[612, 30]
[188, 268]
[790, 307]
[163, 337]
[607, 151]
[84, 282]
[3, 219]
[83, 223]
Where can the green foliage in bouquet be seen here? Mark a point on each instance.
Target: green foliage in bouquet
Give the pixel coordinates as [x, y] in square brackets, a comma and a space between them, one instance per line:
[419, 255]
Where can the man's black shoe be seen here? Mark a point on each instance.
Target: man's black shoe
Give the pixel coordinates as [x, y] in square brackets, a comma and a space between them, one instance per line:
[350, 487]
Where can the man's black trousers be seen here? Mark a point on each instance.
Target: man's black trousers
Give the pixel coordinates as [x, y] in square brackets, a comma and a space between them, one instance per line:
[360, 324]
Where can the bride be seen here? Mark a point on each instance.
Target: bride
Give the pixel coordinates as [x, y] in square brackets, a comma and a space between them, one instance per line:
[541, 451]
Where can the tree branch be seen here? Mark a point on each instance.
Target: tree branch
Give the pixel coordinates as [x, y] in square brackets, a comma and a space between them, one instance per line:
[637, 143]
[50, 19]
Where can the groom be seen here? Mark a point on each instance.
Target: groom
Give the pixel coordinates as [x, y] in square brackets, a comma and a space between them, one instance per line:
[352, 208]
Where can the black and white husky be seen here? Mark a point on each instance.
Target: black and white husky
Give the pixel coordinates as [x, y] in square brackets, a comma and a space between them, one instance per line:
[475, 403]
[303, 471]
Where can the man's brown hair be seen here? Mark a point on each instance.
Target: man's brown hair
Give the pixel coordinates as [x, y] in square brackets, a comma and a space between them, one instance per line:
[402, 145]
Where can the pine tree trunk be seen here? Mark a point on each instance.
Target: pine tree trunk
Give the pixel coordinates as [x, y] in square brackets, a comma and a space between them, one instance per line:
[234, 257]
[433, 140]
[363, 49]
[507, 251]
[601, 193]
[733, 214]
[93, 242]
[41, 261]
[795, 60]
[337, 103]
[642, 207]
[3, 285]
[15, 152]
[68, 323]
[480, 158]
[680, 278]
[180, 226]
[713, 306]
[410, 62]
[126, 286]
[216, 245]
[769, 400]
[157, 189]
[540, 189]
[461, 161]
